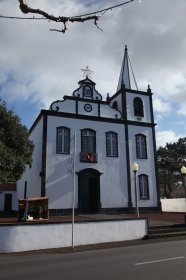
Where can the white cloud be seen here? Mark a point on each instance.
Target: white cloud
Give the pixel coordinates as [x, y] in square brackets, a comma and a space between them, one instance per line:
[161, 106]
[170, 85]
[166, 136]
[46, 65]
[182, 110]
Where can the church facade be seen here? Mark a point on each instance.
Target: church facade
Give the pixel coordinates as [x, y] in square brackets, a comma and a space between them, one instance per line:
[85, 148]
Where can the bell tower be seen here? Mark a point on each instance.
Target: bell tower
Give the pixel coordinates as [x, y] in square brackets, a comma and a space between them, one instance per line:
[136, 108]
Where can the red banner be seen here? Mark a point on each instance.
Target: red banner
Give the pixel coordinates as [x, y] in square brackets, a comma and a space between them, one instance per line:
[90, 156]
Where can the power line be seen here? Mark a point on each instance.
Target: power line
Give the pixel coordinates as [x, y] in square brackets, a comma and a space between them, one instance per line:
[106, 9]
[14, 17]
[77, 16]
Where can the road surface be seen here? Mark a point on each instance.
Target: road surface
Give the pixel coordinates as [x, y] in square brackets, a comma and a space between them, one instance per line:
[157, 261]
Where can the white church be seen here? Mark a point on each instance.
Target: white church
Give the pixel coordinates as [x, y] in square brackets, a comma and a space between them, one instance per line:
[85, 147]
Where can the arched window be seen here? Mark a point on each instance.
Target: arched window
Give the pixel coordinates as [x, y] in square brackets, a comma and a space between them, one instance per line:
[138, 107]
[111, 144]
[143, 186]
[115, 105]
[88, 141]
[63, 140]
[87, 92]
[141, 147]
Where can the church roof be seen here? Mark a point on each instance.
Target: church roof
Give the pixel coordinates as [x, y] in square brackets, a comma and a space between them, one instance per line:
[124, 78]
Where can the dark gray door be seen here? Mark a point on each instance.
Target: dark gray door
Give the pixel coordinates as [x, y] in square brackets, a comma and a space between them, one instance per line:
[8, 202]
[89, 192]
[93, 195]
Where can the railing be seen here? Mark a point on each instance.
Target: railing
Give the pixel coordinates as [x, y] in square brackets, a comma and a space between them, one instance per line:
[89, 157]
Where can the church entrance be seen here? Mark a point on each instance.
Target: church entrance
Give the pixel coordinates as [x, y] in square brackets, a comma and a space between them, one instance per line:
[89, 190]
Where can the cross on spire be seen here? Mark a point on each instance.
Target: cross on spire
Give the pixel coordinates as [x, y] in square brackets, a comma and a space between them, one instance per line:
[87, 72]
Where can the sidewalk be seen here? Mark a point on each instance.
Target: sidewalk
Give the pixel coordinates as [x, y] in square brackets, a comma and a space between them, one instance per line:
[155, 219]
[166, 218]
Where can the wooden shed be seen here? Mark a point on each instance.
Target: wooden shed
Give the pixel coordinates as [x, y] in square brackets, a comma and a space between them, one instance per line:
[31, 209]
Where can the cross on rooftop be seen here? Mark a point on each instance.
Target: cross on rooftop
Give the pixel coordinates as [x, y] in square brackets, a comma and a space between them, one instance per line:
[87, 72]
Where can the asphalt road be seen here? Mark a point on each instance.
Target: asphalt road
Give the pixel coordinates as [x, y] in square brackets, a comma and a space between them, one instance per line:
[157, 261]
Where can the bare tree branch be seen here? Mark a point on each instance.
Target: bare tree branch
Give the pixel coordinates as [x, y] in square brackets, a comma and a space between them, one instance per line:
[62, 19]
[26, 9]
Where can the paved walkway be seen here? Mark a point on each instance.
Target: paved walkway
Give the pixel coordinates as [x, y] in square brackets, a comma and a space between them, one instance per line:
[153, 218]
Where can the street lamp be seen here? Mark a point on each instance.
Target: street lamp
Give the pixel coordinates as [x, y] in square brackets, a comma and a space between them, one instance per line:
[183, 172]
[135, 170]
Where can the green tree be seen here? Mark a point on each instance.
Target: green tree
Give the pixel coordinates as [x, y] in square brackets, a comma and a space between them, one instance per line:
[15, 147]
[170, 159]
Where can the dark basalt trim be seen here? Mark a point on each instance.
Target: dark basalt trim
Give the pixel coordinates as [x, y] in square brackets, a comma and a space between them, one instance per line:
[131, 91]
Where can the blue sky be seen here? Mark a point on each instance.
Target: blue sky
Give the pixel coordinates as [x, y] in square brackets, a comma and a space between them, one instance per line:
[38, 66]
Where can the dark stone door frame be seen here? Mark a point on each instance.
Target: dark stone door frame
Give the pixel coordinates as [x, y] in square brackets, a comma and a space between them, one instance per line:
[95, 173]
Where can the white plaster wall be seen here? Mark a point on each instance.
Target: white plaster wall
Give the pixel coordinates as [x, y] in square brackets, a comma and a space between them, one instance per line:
[82, 111]
[31, 175]
[130, 108]
[118, 98]
[173, 205]
[107, 111]
[59, 181]
[18, 238]
[67, 105]
[2, 199]
[146, 166]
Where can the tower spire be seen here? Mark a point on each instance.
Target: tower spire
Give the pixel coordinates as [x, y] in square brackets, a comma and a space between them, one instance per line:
[124, 78]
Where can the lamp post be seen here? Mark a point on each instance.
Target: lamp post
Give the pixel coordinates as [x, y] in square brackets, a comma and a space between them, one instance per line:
[135, 170]
[183, 172]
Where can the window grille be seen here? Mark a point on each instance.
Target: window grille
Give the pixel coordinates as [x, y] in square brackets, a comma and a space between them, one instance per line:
[141, 147]
[143, 186]
[88, 141]
[63, 140]
[111, 144]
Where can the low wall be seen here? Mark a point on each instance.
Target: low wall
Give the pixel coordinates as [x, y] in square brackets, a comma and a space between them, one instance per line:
[173, 205]
[26, 237]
